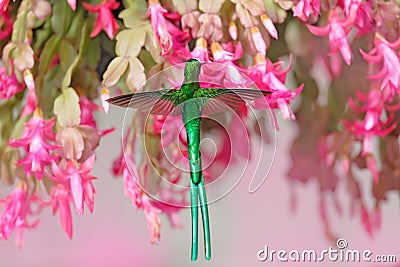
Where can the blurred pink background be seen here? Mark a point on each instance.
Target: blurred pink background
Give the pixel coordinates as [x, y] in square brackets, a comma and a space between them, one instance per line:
[241, 223]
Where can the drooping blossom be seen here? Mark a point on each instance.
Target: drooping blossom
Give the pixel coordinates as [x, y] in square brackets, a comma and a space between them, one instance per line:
[200, 51]
[337, 30]
[78, 179]
[304, 9]
[270, 76]
[384, 53]
[170, 37]
[372, 125]
[105, 18]
[60, 199]
[36, 139]
[87, 119]
[9, 86]
[105, 94]
[30, 105]
[269, 25]
[139, 198]
[14, 216]
[362, 10]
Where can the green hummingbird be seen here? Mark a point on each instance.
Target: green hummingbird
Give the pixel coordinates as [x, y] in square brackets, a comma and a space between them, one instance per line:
[191, 102]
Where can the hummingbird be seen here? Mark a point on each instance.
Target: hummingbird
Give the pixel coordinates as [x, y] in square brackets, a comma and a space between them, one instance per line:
[191, 101]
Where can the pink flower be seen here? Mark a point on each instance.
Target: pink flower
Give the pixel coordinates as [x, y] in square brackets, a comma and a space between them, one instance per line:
[60, 198]
[271, 77]
[4, 5]
[258, 40]
[105, 94]
[105, 19]
[385, 54]
[366, 220]
[372, 124]
[8, 85]
[36, 139]
[30, 105]
[169, 36]
[159, 24]
[6, 25]
[200, 51]
[337, 30]
[362, 10]
[80, 182]
[140, 199]
[269, 25]
[17, 207]
[72, 4]
[87, 107]
[304, 9]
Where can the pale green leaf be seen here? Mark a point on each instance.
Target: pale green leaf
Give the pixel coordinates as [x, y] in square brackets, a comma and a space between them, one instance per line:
[114, 71]
[152, 46]
[185, 6]
[67, 109]
[67, 54]
[136, 76]
[61, 17]
[133, 22]
[138, 7]
[211, 6]
[129, 42]
[82, 49]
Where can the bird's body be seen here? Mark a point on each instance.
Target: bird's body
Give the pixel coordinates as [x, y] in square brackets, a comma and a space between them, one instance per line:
[191, 102]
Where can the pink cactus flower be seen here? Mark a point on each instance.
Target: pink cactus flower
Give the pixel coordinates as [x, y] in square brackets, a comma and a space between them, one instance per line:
[105, 18]
[169, 36]
[385, 53]
[87, 108]
[374, 106]
[304, 9]
[269, 76]
[30, 105]
[8, 85]
[17, 208]
[78, 178]
[36, 140]
[337, 30]
[363, 13]
[4, 5]
[140, 199]
[60, 198]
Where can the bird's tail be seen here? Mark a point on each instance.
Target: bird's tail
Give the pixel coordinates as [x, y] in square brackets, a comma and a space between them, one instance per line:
[194, 193]
[197, 191]
[205, 218]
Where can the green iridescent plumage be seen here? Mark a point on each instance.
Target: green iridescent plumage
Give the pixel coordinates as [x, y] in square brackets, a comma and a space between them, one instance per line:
[191, 102]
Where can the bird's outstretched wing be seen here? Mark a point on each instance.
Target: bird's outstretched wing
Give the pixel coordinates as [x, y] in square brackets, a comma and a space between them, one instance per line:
[161, 102]
[165, 102]
[216, 100]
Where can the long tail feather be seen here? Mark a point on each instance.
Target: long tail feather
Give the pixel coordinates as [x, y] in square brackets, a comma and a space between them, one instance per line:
[194, 193]
[205, 218]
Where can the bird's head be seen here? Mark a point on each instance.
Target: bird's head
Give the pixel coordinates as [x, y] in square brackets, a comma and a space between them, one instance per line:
[192, 70]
